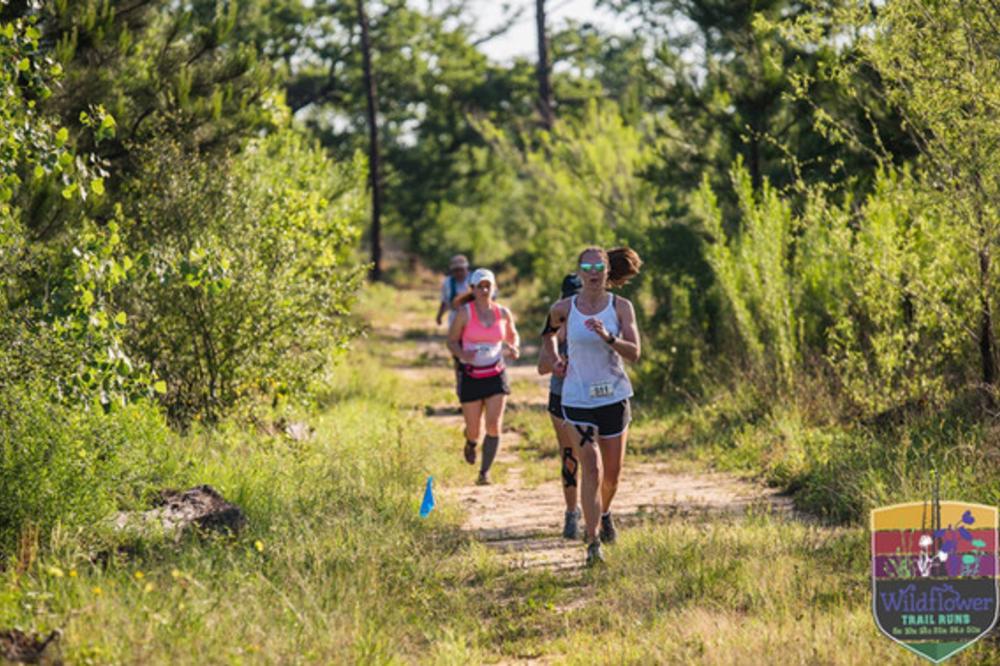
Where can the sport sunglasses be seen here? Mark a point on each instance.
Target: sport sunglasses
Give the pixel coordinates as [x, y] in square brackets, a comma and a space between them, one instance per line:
[588, 267]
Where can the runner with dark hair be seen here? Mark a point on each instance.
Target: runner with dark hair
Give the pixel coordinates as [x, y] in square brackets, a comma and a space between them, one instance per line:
[600, 331]
[553, 351]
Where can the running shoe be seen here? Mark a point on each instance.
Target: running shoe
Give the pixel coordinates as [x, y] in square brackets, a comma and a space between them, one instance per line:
[571, 527]
[484, 479]
[608, 532]
[470, 453]
[594, 554]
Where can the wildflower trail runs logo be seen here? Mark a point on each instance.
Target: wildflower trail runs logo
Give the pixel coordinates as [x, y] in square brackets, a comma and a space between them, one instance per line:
[934, 575]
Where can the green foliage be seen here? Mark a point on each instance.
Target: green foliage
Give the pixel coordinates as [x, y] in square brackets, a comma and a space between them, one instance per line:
[901, 333]
[58, 328]
[754, 273]
[877, 291]
[581, 185]
[88, 321]
[34, 150]
[60, 465]
[247, 269]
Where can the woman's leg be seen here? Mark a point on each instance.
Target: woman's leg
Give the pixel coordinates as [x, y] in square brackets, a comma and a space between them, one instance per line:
[590, 477]
[494, 424]
[473, 413]
[569, 462]
[613, 457]
[495, 405]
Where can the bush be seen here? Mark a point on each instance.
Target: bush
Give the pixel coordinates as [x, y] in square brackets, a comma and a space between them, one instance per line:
[753, 272]
[247, 269]
[60, 465]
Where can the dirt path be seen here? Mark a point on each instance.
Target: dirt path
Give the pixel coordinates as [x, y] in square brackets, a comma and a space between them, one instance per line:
[524, 522]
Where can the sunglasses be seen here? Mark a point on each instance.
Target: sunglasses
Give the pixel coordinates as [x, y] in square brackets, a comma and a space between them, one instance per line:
[588, 267]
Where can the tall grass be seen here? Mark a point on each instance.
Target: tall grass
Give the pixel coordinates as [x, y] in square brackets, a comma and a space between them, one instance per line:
[334, 567]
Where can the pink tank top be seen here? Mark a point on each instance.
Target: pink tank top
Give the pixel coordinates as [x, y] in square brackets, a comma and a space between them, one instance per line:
[487, 342]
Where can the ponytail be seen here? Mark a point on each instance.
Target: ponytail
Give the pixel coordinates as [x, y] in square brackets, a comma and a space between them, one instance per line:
[462, 299]
[624, 264]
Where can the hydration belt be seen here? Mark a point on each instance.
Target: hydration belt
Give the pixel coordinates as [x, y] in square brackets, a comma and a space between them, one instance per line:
[484, 371]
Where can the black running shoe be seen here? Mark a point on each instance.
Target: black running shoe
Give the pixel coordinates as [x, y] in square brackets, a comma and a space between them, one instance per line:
[594, 554]
[470, 453]
[484, 479]
[608, 532]
[571, 526]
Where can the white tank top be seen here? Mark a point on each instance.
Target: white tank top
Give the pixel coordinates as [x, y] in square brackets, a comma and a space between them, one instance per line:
[596, 375]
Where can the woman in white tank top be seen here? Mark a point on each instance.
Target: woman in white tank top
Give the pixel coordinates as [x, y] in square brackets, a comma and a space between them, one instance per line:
[601, 333]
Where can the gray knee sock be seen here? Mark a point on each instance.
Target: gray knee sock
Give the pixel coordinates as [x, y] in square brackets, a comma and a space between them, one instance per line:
[490, 445]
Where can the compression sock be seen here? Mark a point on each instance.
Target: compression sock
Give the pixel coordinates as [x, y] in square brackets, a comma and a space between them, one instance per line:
[490, 445]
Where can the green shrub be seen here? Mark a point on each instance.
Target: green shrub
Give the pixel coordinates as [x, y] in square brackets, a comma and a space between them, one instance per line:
[60, 465]
[753, 271]
[901, 332]
[247, 269]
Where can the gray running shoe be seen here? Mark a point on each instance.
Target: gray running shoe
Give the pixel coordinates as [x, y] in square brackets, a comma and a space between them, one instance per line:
[571, 527]
[608, 532]
[594, 554]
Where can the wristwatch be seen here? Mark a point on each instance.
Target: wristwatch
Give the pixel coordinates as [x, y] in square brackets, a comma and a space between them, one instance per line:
[611, 339]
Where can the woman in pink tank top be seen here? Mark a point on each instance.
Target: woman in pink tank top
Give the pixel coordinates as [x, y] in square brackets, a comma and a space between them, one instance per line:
[481, 336]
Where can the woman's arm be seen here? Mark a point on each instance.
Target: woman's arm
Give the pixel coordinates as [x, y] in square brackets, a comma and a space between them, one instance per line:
[548, 357]
[513, 340]
[455, 337]
[548, 354]
[627, 344]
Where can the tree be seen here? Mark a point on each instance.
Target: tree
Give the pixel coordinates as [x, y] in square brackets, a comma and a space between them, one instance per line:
[545, 102]
[433, 84]
[158, 70]
[733, 84]
[939, 67]
[374, 169]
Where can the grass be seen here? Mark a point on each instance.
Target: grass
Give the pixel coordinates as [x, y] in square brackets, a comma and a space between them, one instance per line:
[336, 567]
[838, 468]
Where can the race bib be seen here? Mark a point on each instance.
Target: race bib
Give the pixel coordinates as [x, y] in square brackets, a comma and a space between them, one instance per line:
[601, 390]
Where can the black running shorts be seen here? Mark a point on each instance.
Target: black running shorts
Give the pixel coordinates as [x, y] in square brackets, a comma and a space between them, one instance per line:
[473, 390]
[555, 405]
[609, 420]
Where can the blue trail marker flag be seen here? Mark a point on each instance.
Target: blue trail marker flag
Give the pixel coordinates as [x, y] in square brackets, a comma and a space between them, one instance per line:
[428, 504]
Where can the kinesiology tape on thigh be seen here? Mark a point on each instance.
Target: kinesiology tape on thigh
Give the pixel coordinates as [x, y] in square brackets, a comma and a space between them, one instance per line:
[569, 467]
[586, 434]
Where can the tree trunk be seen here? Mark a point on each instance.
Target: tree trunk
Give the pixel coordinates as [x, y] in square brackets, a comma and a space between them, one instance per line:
[545, 100]
[987, 344]
[374, 178]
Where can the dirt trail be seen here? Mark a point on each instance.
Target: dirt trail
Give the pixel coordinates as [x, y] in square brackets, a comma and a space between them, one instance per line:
[524, 522]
